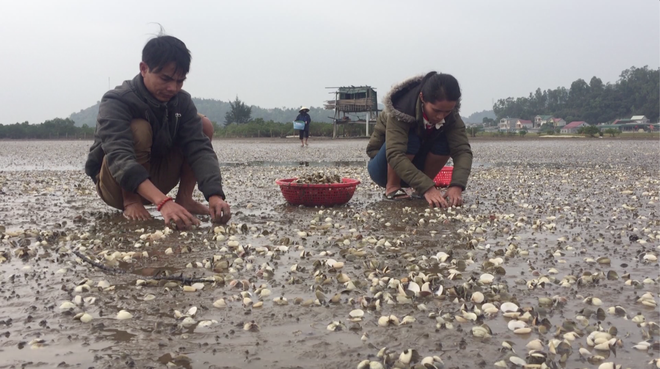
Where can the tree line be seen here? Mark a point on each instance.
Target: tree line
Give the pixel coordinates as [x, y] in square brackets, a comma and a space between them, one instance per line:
[634, 93]
[57, 128]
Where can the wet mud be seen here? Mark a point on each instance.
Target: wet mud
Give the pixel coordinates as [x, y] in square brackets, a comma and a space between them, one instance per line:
[568, 232]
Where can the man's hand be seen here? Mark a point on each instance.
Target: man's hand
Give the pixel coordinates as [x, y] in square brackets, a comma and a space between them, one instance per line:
[453, 196]
[435, 198]
[172, 211]
[219, 210]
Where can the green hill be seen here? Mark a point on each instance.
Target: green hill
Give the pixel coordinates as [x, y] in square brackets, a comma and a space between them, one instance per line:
[216, 110]
[479, 116]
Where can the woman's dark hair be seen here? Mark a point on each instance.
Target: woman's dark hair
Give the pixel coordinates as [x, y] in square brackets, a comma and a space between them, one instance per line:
[440, 86]
[162, 50]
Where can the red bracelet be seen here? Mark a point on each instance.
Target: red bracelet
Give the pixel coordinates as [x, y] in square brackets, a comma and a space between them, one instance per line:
[165, 200]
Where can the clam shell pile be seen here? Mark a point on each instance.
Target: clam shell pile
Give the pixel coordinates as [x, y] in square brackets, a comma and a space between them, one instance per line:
[320, 177]
[551, 263]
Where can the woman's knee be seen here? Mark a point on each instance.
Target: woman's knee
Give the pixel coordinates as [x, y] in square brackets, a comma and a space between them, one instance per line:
[377, 167]
[435, 157]
[377, 172]
[435, 162]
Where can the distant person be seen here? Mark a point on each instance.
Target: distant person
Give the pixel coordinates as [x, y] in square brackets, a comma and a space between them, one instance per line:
[304, 133]
[414, 137]
[149, 138]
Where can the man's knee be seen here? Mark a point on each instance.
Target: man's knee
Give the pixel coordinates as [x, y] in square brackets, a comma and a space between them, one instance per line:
[142, 134]
[207, 126]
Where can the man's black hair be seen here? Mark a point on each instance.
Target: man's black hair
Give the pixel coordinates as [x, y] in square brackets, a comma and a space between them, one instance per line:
[162, 50]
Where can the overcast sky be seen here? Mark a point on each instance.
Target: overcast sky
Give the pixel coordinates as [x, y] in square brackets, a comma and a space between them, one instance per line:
[57, 56]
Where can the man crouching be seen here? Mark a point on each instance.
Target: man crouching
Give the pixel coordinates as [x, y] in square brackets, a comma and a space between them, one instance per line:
[149, 138]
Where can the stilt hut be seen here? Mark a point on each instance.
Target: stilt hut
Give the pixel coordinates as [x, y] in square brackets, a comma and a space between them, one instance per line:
[353, 99]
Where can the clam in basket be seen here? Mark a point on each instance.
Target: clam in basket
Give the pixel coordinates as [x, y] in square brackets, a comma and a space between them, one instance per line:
[312, 194]
[443, 179]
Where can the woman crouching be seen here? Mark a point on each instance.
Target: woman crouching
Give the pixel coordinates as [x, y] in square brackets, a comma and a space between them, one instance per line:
[419, 130]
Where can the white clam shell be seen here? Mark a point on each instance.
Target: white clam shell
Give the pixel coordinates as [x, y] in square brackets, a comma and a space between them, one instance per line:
[414, 287]
[525, 330]
[89, 300]
[477, 297]
[536, 345]
[206, 323]
[357, 313]
[480, 332]
[517, 361]
[66, 305]
[486, 278]
[516, 324]
[123, 315]
[509, 307]
[406, 356]
[408, 320]
[188, 322]
[264, 293]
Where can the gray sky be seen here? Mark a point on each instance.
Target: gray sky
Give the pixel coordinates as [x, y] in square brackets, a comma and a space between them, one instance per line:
[57, 56]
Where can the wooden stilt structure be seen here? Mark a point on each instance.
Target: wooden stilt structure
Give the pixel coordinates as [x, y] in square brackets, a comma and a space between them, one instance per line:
[353, 99]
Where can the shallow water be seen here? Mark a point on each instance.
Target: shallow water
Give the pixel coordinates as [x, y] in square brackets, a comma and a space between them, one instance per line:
[602, 194]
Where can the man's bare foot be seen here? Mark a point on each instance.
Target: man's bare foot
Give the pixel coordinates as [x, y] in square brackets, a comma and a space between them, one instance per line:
[136, 211]
[194, 207]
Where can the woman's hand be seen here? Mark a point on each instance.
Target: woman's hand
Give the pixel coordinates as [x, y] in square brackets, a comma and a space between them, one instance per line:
[435, 198]
[454, 196]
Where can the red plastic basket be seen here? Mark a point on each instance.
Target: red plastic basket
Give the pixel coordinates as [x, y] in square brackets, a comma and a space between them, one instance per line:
[317, 194]
[443, 179]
